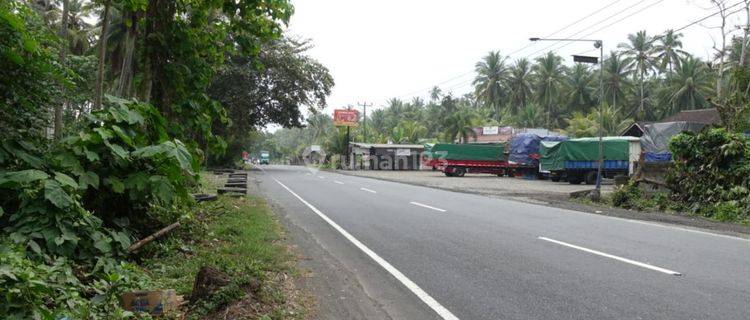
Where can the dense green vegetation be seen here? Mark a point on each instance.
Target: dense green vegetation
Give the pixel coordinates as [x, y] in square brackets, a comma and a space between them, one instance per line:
[106, 125]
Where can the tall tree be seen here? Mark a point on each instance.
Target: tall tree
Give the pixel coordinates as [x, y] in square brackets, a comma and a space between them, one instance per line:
[549, 73]
[435, 94]
[615, 79]
[63, 55]
[519, 84]
[461, 126]
[667, 51]
[581, 88]
[689, 87]
[488, 83]
[638, 50]
[99, 85]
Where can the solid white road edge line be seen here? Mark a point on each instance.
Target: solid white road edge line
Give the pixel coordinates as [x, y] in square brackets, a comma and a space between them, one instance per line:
[607, 255]
[413, 287]
[426, 206]
[368, 190]
[337, 182]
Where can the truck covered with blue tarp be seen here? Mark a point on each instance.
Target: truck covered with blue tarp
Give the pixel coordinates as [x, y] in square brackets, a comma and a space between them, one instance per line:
[524, 149]
[525, 152]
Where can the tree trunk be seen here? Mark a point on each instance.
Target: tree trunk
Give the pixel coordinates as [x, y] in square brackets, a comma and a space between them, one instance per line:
[63, 56]
[159, 21]
[126, 69]
[642, 107]
[98, 89]
[744, 37]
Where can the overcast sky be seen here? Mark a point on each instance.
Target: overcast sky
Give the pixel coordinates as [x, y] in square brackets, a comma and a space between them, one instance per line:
[381, 49]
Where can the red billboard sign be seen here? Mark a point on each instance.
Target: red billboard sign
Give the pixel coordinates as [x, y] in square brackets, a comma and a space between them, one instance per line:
[345, 118]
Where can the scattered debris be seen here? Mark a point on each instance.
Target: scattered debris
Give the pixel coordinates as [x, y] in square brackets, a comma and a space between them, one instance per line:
[155, 303]
[153, 237]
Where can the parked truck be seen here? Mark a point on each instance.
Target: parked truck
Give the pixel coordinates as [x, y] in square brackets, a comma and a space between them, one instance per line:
[524, 153]
[577, 160]
[456, 160]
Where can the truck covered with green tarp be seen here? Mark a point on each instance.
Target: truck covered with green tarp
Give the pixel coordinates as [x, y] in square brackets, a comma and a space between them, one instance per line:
[577, 160]
[455, 160]
[468, 151]
[549, 157]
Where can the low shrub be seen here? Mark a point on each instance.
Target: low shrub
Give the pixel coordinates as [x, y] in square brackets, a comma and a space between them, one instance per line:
[711, 175]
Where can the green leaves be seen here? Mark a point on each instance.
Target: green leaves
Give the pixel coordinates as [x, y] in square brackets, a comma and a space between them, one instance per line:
[65, 180]
[55, 194]
[18, 178]
[116, 185]
[88, 179]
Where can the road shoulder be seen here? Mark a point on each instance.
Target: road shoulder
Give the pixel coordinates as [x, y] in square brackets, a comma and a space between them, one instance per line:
[343, 288]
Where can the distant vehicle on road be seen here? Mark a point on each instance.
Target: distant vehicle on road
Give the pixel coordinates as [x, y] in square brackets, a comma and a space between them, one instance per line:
[265, 157]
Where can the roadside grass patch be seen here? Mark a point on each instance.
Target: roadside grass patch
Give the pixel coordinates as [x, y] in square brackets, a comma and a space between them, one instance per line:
[240, 237]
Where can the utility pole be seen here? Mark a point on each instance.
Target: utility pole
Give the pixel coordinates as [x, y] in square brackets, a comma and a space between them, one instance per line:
[364, 105]
[599, 44]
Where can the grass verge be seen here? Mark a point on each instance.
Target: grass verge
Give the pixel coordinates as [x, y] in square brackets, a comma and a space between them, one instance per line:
[242, 238]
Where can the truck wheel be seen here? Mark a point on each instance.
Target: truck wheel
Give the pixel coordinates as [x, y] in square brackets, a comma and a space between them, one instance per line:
[575, 178]
[448, 174]
[555, 178]
[460, 172]
[591, 177]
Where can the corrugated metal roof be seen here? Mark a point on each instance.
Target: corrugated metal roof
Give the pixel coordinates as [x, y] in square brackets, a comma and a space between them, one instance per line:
[705, 116]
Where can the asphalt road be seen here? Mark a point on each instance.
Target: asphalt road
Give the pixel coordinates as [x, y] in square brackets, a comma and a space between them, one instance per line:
[423, 253]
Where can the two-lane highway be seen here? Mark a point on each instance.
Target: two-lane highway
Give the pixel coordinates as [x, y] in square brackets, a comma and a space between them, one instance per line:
[450, 255]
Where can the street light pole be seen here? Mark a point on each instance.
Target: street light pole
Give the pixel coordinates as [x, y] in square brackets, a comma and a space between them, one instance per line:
[600, 45]
[598, 190]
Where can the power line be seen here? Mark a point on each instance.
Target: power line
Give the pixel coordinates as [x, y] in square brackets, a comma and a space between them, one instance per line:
[589, 27]
[520, 49]
[463, 83]
[568, 26]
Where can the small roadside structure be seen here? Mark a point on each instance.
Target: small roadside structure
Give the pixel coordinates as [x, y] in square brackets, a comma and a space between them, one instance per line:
[378, 156]
[707, 117]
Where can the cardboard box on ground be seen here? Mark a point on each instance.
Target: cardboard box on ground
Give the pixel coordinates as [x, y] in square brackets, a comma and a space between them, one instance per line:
[157, 302]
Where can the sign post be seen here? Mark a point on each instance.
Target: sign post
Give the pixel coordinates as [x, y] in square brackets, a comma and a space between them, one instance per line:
[346, 118]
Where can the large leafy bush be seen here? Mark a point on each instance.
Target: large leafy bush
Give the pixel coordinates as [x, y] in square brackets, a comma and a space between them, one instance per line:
[69, 211]
[712, 173]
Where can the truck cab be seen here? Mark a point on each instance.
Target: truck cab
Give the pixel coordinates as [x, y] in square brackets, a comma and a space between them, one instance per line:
[265, 157]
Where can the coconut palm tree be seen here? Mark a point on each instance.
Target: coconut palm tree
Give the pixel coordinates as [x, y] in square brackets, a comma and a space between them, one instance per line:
[319, 125]
[612, 120]
[461, 126]
[638, 51]
[689, 86]
[581, 125]
[581, 88]
[408, 132]
[615, 79]
[492, 73]
[531, 116]
[519, 84]
[435, 94]
[667, 51]
[549, 75]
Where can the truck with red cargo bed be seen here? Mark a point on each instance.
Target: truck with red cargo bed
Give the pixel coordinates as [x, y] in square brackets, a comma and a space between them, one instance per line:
[456, 160]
